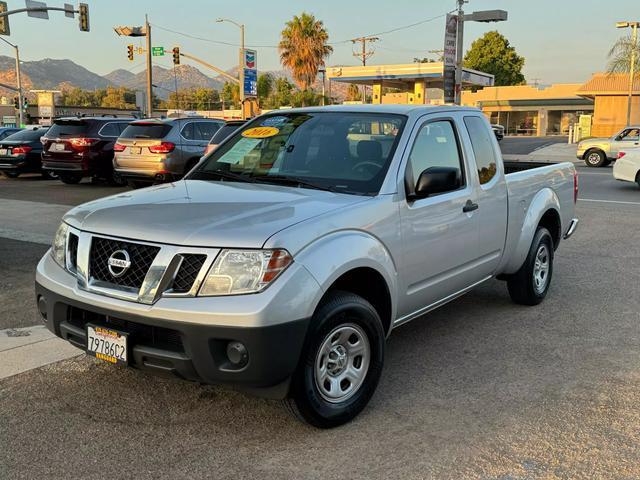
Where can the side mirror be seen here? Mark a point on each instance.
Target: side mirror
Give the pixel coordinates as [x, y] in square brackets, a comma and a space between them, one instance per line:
[436, 180]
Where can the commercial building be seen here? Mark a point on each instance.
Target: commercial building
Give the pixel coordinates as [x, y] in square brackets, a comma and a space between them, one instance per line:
[609, 92]
[532, 110]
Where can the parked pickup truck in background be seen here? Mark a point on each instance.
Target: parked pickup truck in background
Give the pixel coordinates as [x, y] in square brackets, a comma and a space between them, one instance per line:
[284, 260]
[600, 152]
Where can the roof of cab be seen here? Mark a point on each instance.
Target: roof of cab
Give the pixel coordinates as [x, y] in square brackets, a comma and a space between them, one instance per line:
[377, 108]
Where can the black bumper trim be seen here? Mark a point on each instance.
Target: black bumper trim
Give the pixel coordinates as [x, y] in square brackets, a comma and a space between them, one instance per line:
[274, 351]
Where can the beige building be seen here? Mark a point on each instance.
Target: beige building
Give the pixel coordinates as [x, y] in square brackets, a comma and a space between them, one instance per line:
[609, 92]
[531, 110]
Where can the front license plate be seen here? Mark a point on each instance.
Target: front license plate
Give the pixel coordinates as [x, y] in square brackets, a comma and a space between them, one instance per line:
[136, 150]
[107, 344]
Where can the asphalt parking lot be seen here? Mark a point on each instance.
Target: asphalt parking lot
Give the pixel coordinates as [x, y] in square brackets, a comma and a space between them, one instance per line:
[480, 388]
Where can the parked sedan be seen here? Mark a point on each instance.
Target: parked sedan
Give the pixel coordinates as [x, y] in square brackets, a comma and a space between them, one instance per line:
[21, 153]
[627, 166]
[6, 131]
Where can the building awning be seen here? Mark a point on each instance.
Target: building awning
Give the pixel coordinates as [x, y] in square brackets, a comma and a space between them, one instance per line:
[401, 75]
[609, 84]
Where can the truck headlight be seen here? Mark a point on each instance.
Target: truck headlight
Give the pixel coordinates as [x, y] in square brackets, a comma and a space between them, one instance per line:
[59, 245]
[244, 271]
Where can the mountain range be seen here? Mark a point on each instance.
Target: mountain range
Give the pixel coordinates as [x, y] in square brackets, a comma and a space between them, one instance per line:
[63, 74]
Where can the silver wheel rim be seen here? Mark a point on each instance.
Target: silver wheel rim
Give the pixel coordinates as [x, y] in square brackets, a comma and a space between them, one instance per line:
[593, 158]
[342, 363]
[541, 269]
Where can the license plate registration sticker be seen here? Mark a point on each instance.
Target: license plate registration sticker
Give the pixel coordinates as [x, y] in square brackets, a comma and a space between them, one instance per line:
[107, 344]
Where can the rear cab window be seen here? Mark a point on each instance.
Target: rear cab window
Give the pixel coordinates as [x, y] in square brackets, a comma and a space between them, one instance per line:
[146, 130]
[482, 145]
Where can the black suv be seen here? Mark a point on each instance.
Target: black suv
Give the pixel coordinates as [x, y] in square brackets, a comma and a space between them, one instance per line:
[78, 147]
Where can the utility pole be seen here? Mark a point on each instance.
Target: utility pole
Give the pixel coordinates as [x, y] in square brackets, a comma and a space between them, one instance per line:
[459, 52]
[363, 55]
[240, 62]
[149, 67]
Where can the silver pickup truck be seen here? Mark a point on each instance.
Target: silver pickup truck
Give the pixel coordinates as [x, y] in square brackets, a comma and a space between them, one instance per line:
[286, 257]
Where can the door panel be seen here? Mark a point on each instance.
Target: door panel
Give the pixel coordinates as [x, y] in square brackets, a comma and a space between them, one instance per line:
[439, 239]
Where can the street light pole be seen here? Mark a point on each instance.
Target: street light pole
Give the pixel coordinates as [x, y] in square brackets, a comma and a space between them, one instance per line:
[19, 82]
[240, 62]
[459, 52]
[149, 67]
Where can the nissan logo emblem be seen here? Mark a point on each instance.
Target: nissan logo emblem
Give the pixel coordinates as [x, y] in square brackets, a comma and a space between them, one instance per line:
[118, 263]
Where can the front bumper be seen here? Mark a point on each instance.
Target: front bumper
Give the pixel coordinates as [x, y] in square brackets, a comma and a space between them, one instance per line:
[188, 337]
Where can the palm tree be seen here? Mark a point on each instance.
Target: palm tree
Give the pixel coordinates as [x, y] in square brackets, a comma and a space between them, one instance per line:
[620, 55]
[303, 48]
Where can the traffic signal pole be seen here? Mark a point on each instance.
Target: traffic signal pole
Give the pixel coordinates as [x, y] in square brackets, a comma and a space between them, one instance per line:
[149, 66]
[19, 82]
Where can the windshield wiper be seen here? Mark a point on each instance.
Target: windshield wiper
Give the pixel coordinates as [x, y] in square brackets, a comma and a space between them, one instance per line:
[223, 174]
[293, 181]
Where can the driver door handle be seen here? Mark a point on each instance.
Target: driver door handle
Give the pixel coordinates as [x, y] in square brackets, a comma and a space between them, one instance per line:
[470, 206]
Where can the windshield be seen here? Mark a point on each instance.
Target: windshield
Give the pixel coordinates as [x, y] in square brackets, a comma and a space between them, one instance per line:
[341, 152]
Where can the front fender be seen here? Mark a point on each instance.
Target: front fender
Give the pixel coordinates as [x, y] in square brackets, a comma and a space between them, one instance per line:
[545, 200]
[333, 255]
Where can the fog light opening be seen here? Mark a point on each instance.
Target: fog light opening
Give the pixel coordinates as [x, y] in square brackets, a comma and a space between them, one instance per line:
[237, 354]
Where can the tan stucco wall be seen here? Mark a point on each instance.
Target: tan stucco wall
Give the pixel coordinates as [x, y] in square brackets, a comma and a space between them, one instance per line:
[610, 114]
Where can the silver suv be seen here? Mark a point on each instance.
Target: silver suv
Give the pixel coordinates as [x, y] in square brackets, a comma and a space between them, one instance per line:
[156, 151]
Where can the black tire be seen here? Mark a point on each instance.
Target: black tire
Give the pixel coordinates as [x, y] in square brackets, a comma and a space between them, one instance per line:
[338, 310]
[135, 184]
[638, 178]
[11, 174]
[70, 178]
[116, 179]
[522, 285]
[595, 158]
[49, 175]
[607, 162]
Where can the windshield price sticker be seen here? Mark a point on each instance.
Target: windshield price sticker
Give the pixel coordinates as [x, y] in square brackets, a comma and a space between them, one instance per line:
[260, 132]
[274, 121]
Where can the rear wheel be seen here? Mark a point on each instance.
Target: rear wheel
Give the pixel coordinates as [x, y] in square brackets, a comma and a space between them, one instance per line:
[116, 179]
[49, 175]
[530, 284]
[12, 174]
[70, 178]
[341, 362]
[595, 158]
[638, 178]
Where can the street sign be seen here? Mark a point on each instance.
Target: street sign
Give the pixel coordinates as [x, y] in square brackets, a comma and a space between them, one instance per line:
[9, 120]
[449, 69]
[157, 51]
[32, 4]
[250, 82]
[68, 10]
[4, 21]
[250, 59]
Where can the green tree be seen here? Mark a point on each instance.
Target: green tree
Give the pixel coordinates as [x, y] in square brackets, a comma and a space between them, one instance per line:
[282, 93]
[231, 95]
[303, 48]
[620, 55]
[116, 98]
[265, 86]
[493, 54]
[305, 98]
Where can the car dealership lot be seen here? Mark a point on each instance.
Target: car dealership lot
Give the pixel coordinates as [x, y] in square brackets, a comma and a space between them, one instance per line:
[479, 388]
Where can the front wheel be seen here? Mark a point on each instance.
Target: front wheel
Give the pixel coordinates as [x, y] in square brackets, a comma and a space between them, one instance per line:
[595, 158]
[12, 174]
[530, 284]
[341, 362]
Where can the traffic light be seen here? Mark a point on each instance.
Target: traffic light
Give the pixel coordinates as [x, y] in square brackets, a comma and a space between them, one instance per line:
[130, 52]
[4, 21]
[176, 55]
[83, 9]
[16, 103]
[25, 103]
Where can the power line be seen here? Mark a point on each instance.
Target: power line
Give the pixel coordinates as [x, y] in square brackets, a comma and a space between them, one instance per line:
[364, 54]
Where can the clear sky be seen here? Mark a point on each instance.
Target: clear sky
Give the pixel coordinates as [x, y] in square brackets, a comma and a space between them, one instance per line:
[562, 40]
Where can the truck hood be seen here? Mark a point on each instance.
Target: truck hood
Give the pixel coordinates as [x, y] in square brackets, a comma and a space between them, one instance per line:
[205, 214]
[595, 141]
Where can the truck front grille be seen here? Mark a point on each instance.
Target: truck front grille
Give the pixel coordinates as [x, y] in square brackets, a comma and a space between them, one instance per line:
[140, 255]
[188, 272]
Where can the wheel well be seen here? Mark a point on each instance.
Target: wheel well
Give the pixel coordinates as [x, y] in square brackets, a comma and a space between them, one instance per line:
[370, 285]
[551, 221]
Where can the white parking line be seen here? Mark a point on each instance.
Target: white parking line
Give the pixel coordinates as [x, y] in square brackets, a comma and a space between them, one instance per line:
[607, 201]
[23, 349]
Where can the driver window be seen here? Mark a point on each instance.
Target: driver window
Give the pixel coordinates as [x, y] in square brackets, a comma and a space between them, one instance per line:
[435, 145]
[630, 134]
